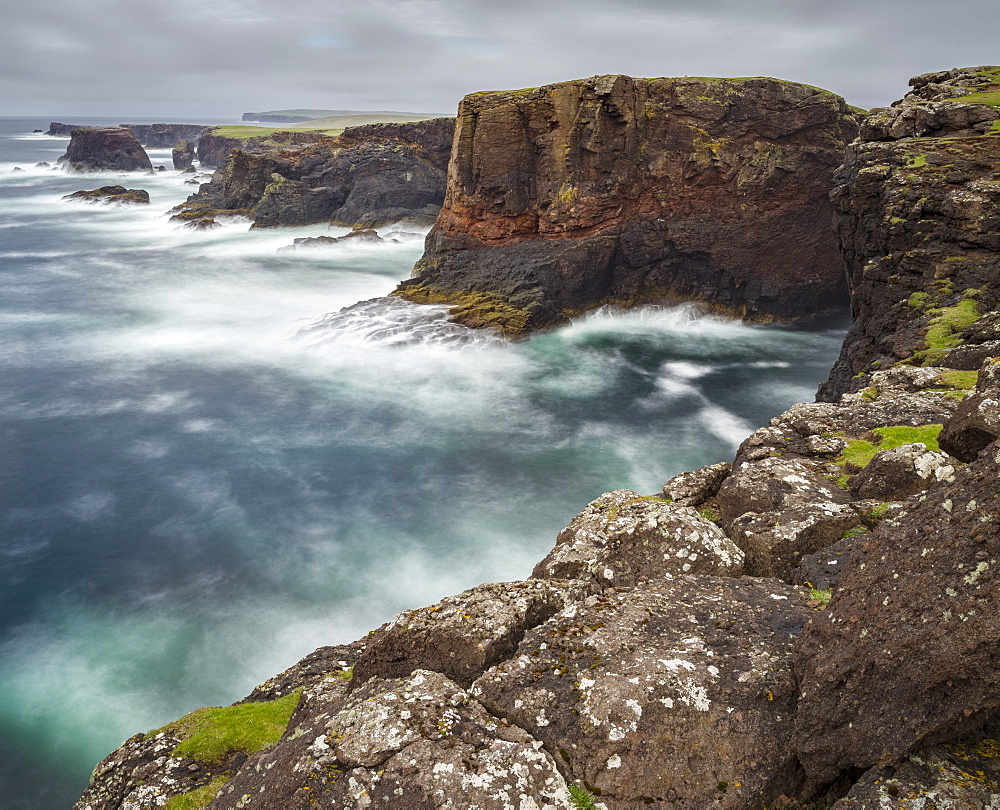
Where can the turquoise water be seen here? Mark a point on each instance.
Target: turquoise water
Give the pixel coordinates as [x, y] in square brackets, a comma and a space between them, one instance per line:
[205, 475]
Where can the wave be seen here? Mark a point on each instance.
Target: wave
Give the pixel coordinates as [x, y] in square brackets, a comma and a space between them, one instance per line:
[391, 321]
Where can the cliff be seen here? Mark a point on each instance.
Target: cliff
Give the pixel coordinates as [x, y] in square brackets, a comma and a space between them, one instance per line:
[626, 191]
[813, 625]
[104, 149]
[367, 176]
[213, 148]
[165, 136]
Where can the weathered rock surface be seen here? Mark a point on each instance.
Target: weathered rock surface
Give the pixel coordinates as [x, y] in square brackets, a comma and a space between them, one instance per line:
[58, 128]
[461, 636]
[678, 693]
[419, 742]
[112, 194]
[369, 179]
[621, 190]
[182, 155]
[963, 776]
[213, 148]
[976, 422]
[622, 539]
[105, 148]
[905, 655]
[696, 487]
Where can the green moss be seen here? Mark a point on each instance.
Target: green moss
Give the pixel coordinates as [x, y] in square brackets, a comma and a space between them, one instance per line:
[210, 733]
[710, 514]
[476, 309]
[897, 220]
[821, 595]
[918, 300]
[860, 451]
[945, 327]
[878, 511]
[197, 798]
[580, 798]
[916, 162]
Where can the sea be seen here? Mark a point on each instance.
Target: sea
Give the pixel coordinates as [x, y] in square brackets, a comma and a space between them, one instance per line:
[215, 458]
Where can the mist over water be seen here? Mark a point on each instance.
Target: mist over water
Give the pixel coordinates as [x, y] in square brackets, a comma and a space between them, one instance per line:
[208, 469]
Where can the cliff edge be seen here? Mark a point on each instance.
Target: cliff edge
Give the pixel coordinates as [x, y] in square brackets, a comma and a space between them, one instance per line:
[627, 191]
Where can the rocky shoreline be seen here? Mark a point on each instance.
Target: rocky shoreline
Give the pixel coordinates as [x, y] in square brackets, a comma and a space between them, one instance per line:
[812, 625]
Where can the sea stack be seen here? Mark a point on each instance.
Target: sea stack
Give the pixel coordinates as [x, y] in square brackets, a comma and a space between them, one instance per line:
[94, 149]
[627, 191]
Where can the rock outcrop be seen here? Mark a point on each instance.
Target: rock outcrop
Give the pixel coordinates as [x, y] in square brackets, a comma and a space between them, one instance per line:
[94, 149]
[367, 177]
[214, 148]
[815, 624]
[182, 155]
[625, 191]
[918, 226]
[112, 194]
[58, 128]
[165, 136]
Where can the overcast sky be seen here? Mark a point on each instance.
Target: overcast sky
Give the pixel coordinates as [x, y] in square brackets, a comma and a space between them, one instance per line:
[219, 58]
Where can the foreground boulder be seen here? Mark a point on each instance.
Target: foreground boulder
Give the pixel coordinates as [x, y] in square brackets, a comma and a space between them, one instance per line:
[678, 693]
[906, 653]
[94, 149]
[627, 191]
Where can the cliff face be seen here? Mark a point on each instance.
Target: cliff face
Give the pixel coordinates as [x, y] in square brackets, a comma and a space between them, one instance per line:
[623, 190]
[165, 136]
[917, 221]
[815, 624]
[213, 149]
[368, 176]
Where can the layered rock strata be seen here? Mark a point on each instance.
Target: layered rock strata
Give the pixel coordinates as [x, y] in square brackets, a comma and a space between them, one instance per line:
[367, 177]
[625, 191]
[675, 651]
[165, 136]
[94, 149]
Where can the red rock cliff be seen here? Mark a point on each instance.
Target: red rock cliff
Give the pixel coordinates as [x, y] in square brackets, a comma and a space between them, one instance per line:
[621, 190]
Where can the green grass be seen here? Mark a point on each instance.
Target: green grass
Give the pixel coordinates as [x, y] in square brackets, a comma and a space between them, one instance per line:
[860, 451]
[210, 733]
[961, 380]
[857, 531]
[918, 300]
[197, 798]
[821, 595]
[916, 162]
[253, 133]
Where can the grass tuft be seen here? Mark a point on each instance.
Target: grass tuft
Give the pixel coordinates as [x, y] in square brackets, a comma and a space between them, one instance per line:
[209, 734]
[860, 451]
[197, 798]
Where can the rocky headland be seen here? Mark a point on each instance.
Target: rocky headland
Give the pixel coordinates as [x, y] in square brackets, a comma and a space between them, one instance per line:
[368, 176]
[165, 136]
[627, 191]
[813, 625]
[105, 149]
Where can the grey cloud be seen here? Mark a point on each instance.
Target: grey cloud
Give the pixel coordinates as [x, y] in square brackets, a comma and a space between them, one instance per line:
[221, 57]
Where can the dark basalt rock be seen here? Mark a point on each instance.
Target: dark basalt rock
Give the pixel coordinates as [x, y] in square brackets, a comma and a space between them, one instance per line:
[905, 654]
[918, 221]
[183, 155]
[621, 190]
[103, 149]
[367, 179]
[976, 423]
[165, 136]
[57, 128]
[112, 194]
[677, 693]
[362, 235]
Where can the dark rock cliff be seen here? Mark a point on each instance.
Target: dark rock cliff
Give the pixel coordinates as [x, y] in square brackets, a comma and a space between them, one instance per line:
[368, 176]
[213, 149]
[673, 651]
[621, 190]
[165, 136]
[105, 148]
[916, 220]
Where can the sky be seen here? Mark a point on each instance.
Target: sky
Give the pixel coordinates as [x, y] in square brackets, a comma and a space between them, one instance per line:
[220, 58]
